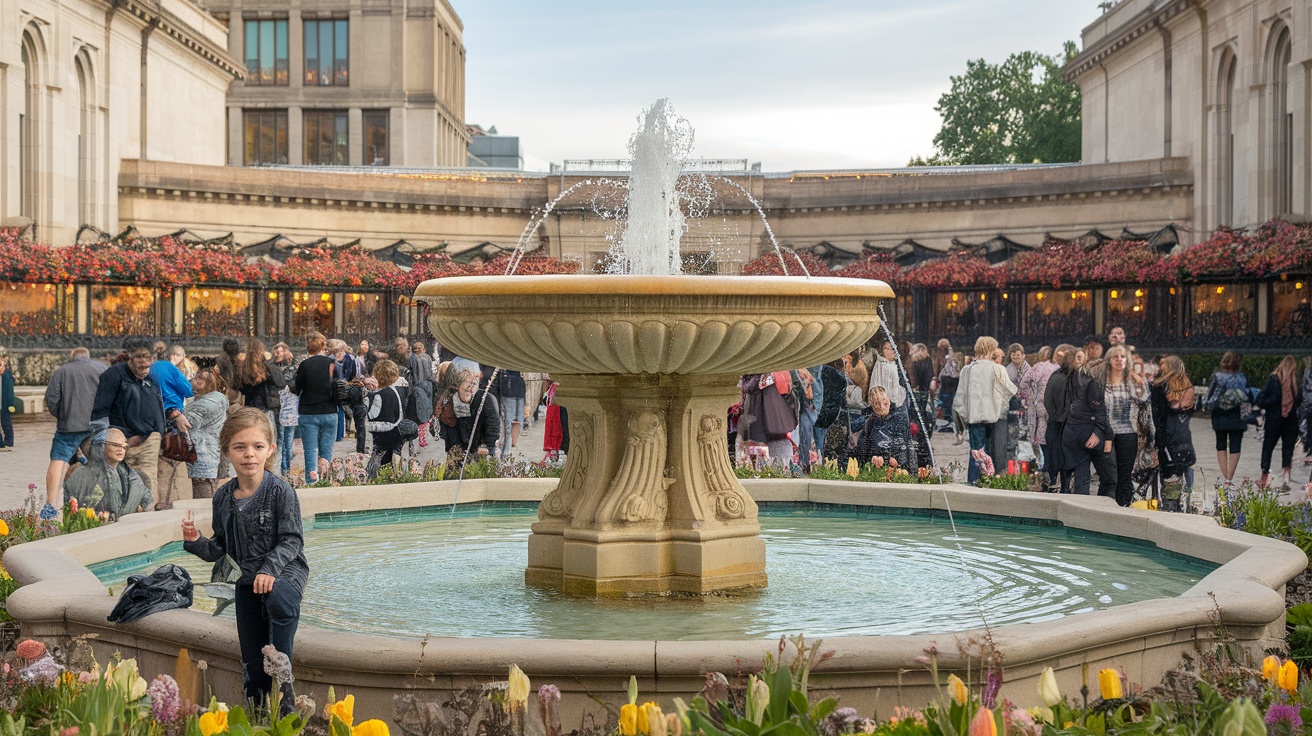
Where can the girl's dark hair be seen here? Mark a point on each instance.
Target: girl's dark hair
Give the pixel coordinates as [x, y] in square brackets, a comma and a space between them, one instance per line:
[1230, 362]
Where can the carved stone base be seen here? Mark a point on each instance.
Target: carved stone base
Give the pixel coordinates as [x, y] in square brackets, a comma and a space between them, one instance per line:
[648, 502]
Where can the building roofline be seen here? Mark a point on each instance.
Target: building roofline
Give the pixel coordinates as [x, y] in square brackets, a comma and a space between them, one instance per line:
[182, 32]
[1123, 35]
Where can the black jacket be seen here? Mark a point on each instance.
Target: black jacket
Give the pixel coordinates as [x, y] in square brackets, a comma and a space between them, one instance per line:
[461, 432]
[265, 539]
[132, 404]
[888, 437]
[264, 395]
[1273, 395]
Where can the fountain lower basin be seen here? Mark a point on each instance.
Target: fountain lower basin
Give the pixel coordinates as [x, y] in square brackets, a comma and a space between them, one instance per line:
[648, 366]
[61, 598]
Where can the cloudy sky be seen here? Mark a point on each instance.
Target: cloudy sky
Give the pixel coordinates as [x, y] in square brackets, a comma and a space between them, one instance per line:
[794, 85]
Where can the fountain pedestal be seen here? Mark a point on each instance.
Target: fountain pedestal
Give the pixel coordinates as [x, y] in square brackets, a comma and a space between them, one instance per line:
[647, 367]
[648, 501]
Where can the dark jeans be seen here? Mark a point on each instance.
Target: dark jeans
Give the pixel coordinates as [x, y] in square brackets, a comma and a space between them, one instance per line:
[7, 428]
[265, 619]
[1105, 465]
[1126, 448]
[386, 445]
[1279, 429]
[979, 437]
[360, 420]
[998, 445]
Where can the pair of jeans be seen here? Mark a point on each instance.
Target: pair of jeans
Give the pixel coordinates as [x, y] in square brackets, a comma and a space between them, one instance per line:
[359, 420]
[287, 436]
[820, 435]
[6, 428]
[1104, 463]
[806, 435]
[979, 438]
[512, 412]
[341, 423]
[270, 618]
[1125, 447]
[317, 433]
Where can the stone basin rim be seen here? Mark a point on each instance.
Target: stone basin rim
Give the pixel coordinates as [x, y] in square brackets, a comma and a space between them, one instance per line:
[638, 286]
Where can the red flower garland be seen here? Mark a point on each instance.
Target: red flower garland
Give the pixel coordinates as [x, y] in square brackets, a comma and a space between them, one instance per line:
[957, 270]
[767, 264]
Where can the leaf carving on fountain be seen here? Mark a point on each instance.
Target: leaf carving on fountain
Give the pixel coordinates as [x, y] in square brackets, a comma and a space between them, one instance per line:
[561, 501]
[722, 486]
[637, 493]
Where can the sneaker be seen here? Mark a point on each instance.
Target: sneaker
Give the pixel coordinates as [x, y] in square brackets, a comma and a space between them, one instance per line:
[6, 449]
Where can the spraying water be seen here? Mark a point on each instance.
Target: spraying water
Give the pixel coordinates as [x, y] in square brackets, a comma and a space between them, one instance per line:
[650, 243]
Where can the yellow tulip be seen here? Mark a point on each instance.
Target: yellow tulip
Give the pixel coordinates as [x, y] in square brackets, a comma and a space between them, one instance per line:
[1288, 678]
[373, 727]
[654, 717]
[4, 528]
[214, 722]
[643, 724]
[853, 469]
[343, 710]
[1049, 693]
[628, 719]
[1271, 668]
[957, 690]
[983, 724]
[1109, 683]
[517, 687]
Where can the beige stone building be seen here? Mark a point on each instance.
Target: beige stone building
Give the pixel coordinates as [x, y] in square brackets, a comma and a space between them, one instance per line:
[346, 83]
[1223, 83]
[85, 84]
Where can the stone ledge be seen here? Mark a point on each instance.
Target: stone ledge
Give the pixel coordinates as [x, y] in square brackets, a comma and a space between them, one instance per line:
[60, 598]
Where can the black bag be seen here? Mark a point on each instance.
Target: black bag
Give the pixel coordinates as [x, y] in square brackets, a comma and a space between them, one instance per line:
[780, 419]
[407, 427]
[166, 588]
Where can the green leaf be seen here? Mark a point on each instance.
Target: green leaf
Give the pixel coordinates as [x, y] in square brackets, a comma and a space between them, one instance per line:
[781, 687]
[822, 709]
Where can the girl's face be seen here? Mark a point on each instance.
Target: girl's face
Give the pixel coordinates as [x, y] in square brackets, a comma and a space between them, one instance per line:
[880, 404]
[1119, 362]
[249, 451]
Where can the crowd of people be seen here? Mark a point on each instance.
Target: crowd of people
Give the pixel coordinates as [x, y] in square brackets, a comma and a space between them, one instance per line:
[127, 431]
[1070, 412]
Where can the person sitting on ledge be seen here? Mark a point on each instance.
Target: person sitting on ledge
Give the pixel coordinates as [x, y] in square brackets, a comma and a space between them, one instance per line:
[106, 483]
[458, 413]
[887, 432]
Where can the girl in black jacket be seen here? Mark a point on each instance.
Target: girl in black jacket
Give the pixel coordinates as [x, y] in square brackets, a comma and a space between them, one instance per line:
[258, 540]
[1087, 436]
[458, 413]
[1280, 400]
[385, 407]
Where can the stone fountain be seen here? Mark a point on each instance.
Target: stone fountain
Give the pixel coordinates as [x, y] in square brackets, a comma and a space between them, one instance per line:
[648, 364]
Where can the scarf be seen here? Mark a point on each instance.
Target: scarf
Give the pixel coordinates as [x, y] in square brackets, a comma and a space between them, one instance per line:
[461, 408]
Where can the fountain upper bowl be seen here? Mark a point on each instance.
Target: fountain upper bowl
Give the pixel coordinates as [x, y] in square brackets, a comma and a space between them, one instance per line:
[602, 324]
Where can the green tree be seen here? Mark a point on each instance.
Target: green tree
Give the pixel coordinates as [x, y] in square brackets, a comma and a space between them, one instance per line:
[1020, 111]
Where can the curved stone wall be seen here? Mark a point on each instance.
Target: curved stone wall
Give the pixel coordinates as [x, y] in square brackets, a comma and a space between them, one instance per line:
[61, 598]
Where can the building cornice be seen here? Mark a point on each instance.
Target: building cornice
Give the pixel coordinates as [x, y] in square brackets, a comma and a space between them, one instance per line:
[152, 12]
[1127, 33]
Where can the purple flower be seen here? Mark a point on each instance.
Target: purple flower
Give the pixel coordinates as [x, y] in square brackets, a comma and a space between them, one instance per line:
[992, 684]
[1284, 713]
[45, 671]
[165, 701]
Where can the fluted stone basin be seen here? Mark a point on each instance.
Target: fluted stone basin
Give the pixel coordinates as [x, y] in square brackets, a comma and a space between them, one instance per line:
[648, 366]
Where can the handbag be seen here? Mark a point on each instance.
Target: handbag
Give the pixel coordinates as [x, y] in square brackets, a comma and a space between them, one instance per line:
[407, 428]
[177, 446]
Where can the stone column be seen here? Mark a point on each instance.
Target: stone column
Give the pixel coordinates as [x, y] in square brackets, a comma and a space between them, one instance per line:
[648, 502]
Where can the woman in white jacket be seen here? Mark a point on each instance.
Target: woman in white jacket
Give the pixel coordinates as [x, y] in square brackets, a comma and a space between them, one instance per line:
[981, 401]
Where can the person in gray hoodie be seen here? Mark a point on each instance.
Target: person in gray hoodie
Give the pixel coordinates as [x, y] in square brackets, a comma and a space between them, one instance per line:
[69, 398]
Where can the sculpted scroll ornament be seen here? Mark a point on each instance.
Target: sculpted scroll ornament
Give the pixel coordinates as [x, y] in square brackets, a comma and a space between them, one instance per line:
[721, 485]
[637, 493]
[562, 501]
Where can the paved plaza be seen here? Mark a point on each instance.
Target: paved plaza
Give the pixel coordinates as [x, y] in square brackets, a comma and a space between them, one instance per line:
[27, 463]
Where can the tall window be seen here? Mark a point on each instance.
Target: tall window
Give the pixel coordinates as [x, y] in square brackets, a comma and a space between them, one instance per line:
[325, 137]
[375, 138]
[30, 130]
[266, 52]
[85, 185]
[1225, 143]
[1282, 124]
[326, 56]
[266, 136]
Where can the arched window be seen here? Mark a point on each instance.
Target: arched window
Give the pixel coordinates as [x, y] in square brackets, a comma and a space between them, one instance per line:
[86, 141]
[1225, 140]
[29, 126]
[1282, 125]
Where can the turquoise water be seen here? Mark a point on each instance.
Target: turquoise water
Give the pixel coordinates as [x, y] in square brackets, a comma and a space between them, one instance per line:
[834, 571]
